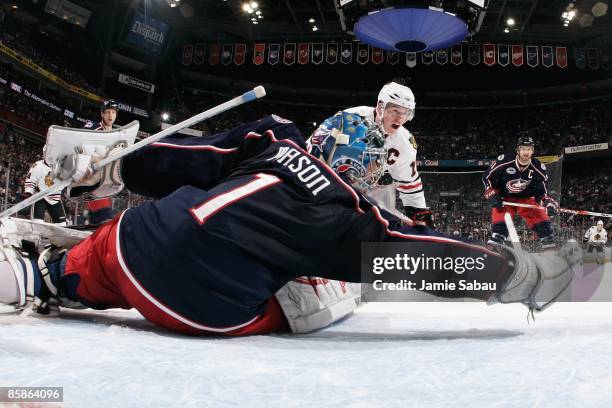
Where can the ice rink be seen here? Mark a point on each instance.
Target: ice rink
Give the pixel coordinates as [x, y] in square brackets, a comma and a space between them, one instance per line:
[387, 354]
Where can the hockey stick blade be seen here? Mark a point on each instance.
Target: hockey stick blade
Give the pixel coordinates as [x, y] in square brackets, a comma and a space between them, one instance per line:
[514, 238]
[255, 93]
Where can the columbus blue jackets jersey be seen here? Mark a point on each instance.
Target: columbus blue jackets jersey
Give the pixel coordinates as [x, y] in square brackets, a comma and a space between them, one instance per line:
[239, 214]
[93, 126]
[511, 179]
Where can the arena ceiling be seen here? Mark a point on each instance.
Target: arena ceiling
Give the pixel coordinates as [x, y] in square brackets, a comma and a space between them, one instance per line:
[226, 20]
[535, 20]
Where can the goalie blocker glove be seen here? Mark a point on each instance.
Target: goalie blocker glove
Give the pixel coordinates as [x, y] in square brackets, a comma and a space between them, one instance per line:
[90, 184]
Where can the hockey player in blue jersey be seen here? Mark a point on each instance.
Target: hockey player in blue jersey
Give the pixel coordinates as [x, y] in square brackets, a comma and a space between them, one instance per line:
[237, 216]
[519, 178]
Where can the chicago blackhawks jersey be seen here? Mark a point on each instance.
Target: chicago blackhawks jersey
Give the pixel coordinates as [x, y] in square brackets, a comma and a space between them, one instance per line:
[596, 237]
[39, 179]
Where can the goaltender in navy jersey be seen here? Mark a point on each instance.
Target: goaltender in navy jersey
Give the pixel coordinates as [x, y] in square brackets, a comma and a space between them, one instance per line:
[243, 212]
[513, 180]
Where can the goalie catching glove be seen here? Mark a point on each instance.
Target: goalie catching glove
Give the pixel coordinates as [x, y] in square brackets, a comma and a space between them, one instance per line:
[88, 183]
[538, 279]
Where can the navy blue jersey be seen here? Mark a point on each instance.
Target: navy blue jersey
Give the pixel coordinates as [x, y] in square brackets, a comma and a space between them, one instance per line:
[243, 212]
[92, 126]
[511, 179]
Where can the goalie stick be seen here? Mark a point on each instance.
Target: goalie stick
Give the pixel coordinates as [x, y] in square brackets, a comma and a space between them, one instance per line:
[59, 185]
[564, 210]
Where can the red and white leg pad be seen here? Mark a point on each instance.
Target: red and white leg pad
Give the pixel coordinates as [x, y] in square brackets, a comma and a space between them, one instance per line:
[311, 303]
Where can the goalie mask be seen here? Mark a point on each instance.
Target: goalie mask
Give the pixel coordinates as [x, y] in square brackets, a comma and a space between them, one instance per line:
[355, 151]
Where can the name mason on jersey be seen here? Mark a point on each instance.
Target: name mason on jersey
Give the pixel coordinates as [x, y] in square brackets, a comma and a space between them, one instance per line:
[303, 167]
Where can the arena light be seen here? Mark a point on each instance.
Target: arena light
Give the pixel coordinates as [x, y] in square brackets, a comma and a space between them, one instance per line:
[510, 22]
[315, 28]
[599, 9]
[586, 20]
[165, 116]
[311, 20]
[410, 29]
[254, 5]
[569, 14]
[506, 30]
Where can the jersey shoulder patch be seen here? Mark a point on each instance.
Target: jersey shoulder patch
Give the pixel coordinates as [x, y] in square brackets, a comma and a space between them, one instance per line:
[88, 124]
[412, 140]
[501, 157]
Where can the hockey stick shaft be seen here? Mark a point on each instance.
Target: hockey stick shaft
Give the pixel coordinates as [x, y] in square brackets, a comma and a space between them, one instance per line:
[249, 96]
[57, 187]
[255, 93]
[563, 210]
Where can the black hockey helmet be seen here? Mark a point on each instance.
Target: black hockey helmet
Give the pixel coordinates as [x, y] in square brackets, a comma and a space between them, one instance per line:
[525, 141]
[109, 104]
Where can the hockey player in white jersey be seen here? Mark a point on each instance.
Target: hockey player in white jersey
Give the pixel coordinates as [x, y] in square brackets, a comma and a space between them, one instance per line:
[39, 179]
[395, 106]
[596, 238]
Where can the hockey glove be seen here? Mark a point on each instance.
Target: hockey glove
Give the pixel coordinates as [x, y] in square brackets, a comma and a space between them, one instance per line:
[102, 183]
[385, 180]
[494, 199]
[537, 279]
[420, 216]
[550, 204]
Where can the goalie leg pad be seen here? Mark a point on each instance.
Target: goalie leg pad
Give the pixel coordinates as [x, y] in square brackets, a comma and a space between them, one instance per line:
[26, 279]
[311, 303]
[14, 231]
[9, 287]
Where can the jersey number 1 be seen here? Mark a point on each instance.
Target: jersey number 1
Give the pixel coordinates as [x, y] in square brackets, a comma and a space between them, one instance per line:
[213, 205]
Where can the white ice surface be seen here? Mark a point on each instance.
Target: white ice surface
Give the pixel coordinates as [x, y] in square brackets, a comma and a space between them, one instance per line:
[387, 354]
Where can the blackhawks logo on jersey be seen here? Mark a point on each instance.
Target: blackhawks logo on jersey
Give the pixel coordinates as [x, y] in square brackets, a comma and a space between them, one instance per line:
[413, 142]
[48, 180]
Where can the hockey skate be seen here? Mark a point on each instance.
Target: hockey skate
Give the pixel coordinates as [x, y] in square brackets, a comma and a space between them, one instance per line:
[31, 256]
